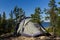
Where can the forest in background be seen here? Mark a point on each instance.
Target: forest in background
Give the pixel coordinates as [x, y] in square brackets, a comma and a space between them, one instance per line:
[52, 14]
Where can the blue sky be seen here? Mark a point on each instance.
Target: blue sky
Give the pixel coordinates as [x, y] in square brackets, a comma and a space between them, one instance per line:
[27, 5]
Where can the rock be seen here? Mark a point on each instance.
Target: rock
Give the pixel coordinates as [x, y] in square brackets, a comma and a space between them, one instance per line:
[44, 37]
[27, 38]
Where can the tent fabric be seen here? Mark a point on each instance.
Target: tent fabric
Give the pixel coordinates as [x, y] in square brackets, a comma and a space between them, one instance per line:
[28, 28]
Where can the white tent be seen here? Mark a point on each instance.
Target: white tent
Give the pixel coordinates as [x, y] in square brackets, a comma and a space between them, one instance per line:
[28, 28]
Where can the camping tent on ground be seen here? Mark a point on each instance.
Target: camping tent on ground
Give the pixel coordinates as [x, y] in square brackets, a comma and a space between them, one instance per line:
[27, 28]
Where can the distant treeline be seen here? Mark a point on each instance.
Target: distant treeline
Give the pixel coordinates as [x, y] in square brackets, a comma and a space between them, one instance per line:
[52, 13]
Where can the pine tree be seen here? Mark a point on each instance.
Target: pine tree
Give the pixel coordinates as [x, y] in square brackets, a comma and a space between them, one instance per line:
[36, 17]
[11, 22]
[52, 14]
[0, 25]
[19, 13]
[58, 21]
[15, 11]
[4, 22]
[0, 20]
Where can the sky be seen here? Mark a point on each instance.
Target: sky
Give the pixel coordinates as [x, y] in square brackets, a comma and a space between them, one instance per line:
[27, 5]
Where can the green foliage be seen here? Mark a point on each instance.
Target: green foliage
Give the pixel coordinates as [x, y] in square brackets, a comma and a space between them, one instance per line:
[49, 29]
[52, 3]
[0, 25]
[52, 15]
[3, 23]
[8, 25]
[11, 23]
[36, 17]
[58, 26]
[16, 12]
[0, 20]
[58, 2]
[19, 13]
[11, 15]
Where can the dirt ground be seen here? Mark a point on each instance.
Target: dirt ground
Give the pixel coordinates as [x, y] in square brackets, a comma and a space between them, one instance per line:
[30, 38]
[6, 37]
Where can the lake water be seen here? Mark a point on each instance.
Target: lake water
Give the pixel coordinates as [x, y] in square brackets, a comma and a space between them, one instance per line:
[45, 24]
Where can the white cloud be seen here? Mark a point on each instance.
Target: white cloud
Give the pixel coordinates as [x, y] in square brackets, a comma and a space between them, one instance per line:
[46, 20]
